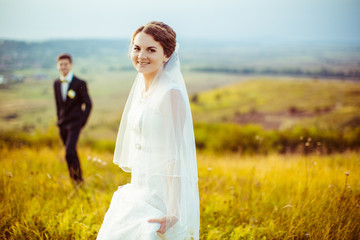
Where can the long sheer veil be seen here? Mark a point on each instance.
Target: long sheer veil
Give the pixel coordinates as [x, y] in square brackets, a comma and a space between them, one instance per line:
[164, 157]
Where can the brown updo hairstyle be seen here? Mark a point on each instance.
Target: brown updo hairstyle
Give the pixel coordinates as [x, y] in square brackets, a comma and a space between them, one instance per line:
[161, 33]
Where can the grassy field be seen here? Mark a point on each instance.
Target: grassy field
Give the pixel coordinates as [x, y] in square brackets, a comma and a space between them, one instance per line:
[261, 197]
[273, 103]
[242, 197]
[282, 103]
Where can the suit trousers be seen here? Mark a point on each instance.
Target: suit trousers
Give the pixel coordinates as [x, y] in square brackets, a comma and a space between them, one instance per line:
[70, 137]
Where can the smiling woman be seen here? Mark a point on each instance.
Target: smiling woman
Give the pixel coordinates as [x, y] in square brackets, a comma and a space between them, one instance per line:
[156, 144]
[147, 56]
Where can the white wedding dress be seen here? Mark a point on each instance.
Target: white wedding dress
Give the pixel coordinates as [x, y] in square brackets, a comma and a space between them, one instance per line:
[135, 203]
[156, 144]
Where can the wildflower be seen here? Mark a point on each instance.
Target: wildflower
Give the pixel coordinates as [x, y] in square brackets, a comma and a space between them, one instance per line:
[89, 158]
[347, 173]
[48, 175]
[9, 174]
[209, 169]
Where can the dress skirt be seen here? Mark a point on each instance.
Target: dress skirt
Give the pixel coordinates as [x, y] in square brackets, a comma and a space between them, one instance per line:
[128, 215]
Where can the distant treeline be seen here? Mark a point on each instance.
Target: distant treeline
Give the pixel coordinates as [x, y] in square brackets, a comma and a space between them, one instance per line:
[323, 72]
[221, 137]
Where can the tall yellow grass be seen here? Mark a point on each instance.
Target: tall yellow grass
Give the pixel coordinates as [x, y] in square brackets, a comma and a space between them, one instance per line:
[258, 197]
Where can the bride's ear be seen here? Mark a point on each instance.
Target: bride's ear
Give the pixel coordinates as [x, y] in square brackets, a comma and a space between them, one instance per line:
[166, 59]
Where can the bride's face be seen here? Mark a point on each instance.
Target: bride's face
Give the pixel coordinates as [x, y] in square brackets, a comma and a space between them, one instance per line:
[147, 55]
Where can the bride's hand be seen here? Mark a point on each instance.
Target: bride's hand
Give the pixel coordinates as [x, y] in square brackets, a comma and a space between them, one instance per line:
[165, 223]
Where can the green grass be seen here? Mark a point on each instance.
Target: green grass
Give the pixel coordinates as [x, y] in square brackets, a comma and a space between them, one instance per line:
[261, 197]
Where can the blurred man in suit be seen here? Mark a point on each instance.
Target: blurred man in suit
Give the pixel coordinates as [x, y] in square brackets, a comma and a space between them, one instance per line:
[73, 106]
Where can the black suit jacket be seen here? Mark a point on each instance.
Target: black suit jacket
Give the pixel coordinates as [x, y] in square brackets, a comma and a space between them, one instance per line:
[70, 113]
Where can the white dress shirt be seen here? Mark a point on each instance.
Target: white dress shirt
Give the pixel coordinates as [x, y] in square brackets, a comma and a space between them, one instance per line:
[65, 83]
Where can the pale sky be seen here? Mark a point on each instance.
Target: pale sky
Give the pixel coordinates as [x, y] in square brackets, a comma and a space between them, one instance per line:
[310, 20]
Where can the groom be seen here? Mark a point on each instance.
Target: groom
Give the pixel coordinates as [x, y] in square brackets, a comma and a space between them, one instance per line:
[73, 107]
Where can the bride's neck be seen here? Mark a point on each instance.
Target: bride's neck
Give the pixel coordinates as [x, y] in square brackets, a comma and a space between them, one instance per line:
[148, 80]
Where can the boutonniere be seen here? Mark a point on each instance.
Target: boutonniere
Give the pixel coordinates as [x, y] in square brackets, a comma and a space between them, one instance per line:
[71, 94]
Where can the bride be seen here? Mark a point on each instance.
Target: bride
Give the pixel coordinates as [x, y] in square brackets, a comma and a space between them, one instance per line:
[156, 144]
